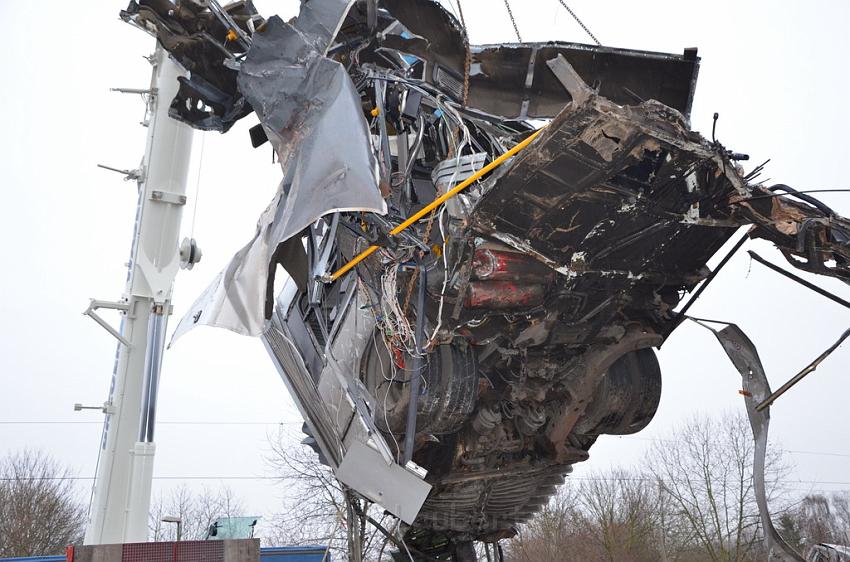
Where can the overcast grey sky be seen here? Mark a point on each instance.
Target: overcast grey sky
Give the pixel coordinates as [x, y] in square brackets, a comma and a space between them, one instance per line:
[775, 71]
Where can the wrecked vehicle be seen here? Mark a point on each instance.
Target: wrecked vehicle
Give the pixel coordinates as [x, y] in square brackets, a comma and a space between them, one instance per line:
[482, 244]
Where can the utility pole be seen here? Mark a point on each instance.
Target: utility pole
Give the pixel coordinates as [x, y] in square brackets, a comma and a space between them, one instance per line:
[122, 488]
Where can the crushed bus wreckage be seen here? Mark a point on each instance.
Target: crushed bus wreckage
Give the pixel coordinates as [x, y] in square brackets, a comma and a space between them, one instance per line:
[483, 244]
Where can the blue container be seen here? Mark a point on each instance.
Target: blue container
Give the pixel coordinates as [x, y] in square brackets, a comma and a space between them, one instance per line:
[295, 554]
[267, 554]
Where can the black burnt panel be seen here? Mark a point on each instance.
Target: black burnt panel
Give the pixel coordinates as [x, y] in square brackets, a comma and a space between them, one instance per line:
[505, 78]
[621, 199]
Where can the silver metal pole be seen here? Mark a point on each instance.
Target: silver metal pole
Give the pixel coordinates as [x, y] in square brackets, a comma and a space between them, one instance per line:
[418, 363]
[153, 367]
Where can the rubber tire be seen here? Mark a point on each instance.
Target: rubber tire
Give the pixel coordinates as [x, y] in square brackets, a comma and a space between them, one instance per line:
[627, 397]
[446, 400]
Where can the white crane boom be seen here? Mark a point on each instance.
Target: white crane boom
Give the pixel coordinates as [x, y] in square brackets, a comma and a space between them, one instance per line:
[122, 488]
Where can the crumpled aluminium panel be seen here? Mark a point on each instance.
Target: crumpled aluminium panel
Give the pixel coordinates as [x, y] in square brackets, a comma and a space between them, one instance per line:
[338, 408]
[311, 113]
[756, 388]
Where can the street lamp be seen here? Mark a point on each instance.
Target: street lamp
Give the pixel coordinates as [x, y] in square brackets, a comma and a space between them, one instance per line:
[175, 519]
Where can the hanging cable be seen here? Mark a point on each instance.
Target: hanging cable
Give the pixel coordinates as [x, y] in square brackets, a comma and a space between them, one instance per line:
[467, 63]
[462, 19]
[197, 186]
[513, 21]
[575, 17]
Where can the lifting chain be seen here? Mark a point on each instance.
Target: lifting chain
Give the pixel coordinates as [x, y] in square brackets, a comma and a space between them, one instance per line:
[575, 17]
[467, 63]
[513, 21]
[415, 275]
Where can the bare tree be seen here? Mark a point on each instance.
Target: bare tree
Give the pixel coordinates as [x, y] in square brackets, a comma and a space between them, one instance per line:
[706, 469]
[197, 510]
[610, 516]
[39, 509]
[818, 523]
[552, 534]
[841, 512]
[316, 507]
[817, 518]
[693, 501]
[619, 514]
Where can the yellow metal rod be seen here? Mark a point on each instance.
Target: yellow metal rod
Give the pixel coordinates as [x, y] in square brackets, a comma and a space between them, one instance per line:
[437, 202]
[354, 261]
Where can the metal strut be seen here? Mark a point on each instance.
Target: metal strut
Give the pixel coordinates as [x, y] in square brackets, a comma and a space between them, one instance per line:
[416, 373]
[682, 313]
[799, 280]
[95, 304]
[799, 376]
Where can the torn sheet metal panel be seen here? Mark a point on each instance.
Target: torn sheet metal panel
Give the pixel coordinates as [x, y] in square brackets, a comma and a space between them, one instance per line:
[318, 23]
[438, 38]
[391, 486]
[310, 111]
[742, 352]
[339, 409]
